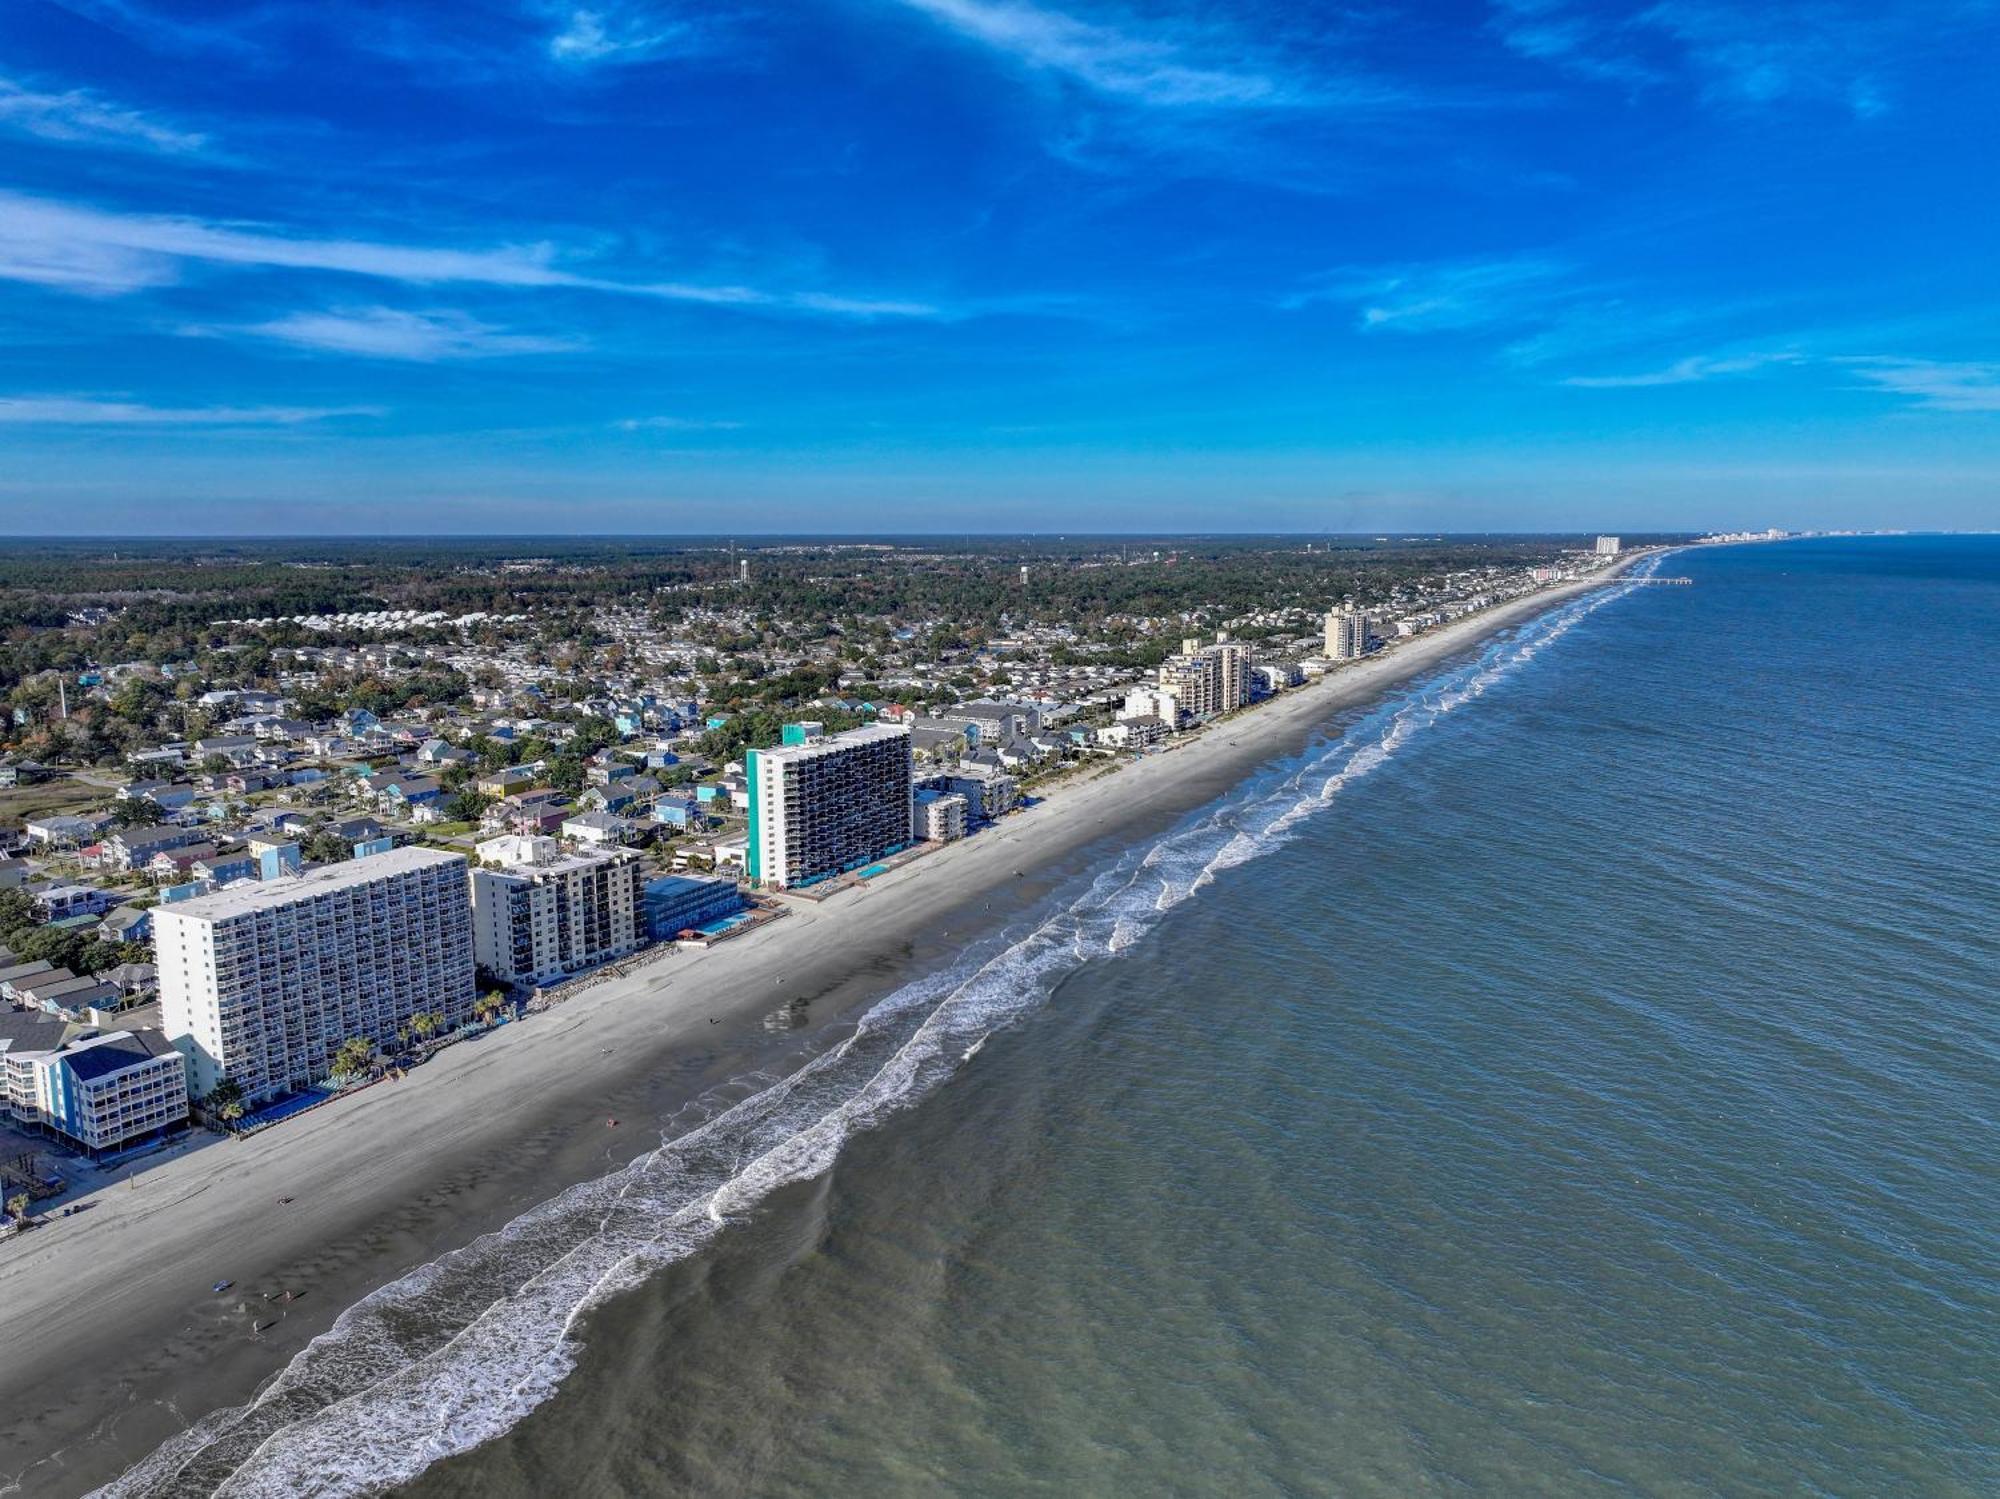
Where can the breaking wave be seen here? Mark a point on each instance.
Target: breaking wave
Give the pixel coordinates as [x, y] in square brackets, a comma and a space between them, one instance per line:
[457, 1352]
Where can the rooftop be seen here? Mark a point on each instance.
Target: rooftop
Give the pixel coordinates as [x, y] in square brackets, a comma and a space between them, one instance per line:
[868, 734]
[260, 895]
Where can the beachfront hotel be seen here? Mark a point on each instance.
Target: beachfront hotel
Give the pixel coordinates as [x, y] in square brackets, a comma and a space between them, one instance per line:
[261, 982]
[1346, 634]
[102, 1093]
[544, 913]
[822, 804]
[1608, 546]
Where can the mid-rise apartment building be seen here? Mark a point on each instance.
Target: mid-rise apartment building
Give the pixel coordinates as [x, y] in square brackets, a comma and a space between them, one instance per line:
[544, 913]
[103, 1093]
[937, 816]
[828, 803]
[262, 982]
[989, 794]
[677, 903]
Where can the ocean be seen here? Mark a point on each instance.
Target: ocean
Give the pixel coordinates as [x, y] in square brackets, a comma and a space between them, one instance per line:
[1576, 1073]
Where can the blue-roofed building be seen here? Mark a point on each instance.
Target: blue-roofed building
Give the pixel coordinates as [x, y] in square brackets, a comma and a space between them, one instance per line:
[103, 1093]
[676, 903]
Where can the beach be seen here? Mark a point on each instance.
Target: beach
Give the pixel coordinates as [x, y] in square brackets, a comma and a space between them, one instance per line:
[114, 1341]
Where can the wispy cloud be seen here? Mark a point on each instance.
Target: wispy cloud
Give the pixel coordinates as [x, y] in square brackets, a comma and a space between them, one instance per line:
[1756, 54]
[391, 333]
[675, 424]
[1933, 385]
[610, 33]
[1445, 295]
[1551, 31]
[91, 251]
[168, 33]
[78, 117]
[87, 411]
[1688, 371]
[1733, 54]
[1118, 60]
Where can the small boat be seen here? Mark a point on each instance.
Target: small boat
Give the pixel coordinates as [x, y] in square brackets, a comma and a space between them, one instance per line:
[221, 1285]
[266, 1323]
[611, 1124]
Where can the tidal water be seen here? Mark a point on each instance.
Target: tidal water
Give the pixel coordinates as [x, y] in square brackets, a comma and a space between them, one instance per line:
[1578, 1073]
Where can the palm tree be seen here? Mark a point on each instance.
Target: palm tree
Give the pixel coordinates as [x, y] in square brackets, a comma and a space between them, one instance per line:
[225, 1101]
[17, 1208]
[489, 1005]
[353, 1058]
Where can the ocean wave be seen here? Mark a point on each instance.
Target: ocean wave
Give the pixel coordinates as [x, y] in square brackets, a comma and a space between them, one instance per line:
[457, 1352]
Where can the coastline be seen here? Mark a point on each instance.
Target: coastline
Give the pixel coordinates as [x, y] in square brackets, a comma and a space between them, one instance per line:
[393, 1177]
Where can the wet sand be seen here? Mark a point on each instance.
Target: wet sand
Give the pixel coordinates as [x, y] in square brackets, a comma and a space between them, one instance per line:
[110, 1338]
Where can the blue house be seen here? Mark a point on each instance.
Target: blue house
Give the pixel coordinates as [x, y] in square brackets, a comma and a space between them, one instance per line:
[679, 811]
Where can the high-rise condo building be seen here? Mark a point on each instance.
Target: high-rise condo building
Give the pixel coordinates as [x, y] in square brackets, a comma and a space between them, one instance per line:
[1346, 634]
[262, 982]
[1209, 679]
[546, 913]
[1607, 546]
[824, 804]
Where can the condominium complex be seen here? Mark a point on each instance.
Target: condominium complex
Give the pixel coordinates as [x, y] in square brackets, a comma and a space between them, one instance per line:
[1607, 546]
[988, 793]
[545, 913]
[1346, 634]
[937, 816]
[262, 982]
[824, 804]
[676, 903]
[100, 1092]
[1209, 679]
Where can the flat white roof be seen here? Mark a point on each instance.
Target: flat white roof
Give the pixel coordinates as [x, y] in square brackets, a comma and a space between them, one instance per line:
[258, 895]
[826, 744]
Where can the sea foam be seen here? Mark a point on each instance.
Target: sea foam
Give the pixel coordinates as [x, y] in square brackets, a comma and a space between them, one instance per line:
[455, 1353]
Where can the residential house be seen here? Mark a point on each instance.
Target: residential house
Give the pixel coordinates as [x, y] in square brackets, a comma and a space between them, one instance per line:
[61, 902]
[129, 849]
[178, 863]
[598, 829]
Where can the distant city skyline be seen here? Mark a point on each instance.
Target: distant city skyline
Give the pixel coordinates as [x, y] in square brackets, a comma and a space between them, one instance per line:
[847, 267]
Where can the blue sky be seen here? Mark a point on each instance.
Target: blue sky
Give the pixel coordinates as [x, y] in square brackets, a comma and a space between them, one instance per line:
[949, 265]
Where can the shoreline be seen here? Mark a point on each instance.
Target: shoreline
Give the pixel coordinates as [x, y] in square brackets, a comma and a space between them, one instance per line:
[108, 1360]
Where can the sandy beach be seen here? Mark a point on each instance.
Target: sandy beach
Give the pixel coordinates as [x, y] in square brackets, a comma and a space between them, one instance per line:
[113, 1339]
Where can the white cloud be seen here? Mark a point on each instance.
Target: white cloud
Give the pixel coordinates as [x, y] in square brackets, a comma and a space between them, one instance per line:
[675, 424]
[1734, 53]
[1548, 31]
[95, 252]
[389, 333]
[1426, 298]
[1932, 384]
[1115, 61]
[86, 411]
[592, 34]
[1685, 371]
[77, 117]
